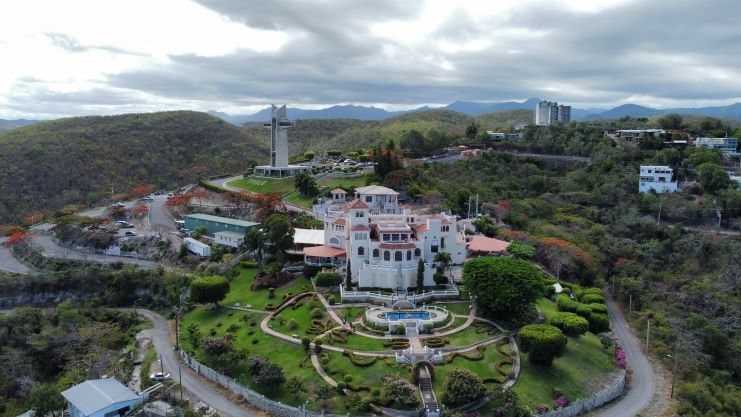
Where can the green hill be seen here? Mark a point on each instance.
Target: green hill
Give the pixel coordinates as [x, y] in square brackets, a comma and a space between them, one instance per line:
[77, 160]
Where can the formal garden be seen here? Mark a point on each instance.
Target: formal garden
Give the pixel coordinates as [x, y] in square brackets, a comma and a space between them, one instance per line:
[276, 334]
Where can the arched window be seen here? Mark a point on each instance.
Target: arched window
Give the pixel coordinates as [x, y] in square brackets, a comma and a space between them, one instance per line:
[417, 252]
[386, 255]
[361, 251]
[334, 241]
[409, 255]
[376, 253]
[398, 257]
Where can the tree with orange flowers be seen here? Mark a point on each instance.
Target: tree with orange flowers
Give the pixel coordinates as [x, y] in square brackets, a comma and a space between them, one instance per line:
[142, 191]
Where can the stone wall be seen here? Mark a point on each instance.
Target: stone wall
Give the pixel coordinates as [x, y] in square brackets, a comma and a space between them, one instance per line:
[254, 398]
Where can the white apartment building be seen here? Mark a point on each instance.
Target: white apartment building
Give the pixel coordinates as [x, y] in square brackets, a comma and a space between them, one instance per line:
[658, 178]
[635, 135]
[549, 112]
[728, 146]
[382, 241]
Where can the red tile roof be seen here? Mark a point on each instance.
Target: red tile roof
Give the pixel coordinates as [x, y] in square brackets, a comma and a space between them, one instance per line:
[357, 204]
[421, 228]
[341, 220]
[323, 251]
[359, 227]
[338, 191]
[487, 245]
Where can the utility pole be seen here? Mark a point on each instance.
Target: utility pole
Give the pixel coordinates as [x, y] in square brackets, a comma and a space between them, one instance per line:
[658, 218]
[630, 303]
[180, 376]
[674, 371]
[648, 333]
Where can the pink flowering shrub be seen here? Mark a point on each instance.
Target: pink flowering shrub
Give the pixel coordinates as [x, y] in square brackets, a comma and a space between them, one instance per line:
[541, 408]
[561, 401]
[622, 361]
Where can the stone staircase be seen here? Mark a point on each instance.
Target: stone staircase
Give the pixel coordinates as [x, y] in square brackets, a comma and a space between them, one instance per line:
[425, 387]
[411, 329]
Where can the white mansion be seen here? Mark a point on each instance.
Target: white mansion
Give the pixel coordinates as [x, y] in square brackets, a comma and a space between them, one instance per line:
[382, 241]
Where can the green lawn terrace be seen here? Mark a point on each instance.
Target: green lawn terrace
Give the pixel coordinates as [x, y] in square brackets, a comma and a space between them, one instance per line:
[358, 361]
[285, 186]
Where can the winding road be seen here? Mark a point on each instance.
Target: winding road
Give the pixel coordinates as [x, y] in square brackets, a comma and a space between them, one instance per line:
[198, 386]
[642, 381]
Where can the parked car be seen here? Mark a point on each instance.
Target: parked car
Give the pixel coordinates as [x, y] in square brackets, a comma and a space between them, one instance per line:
[160, 376]
[146, 199]
[130, 233]
[124, 224]
[119, 204]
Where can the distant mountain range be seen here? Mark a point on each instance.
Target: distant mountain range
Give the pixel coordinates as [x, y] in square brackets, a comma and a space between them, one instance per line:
[474, 108]
[12, 124]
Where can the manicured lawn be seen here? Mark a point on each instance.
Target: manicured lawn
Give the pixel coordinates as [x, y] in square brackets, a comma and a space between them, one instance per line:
[362, 343]
[578, 373]
[292, 358]
[333, 182]
[302, 316]
[548, 307]
[471, 335]
[351, 313]
[483, 368]
[264, 185]
[370, 376]
[455, 308]
[299, 200]
[242, 294]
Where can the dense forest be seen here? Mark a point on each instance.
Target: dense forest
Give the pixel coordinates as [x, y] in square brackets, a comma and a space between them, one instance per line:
[588, 224]
[80, 160]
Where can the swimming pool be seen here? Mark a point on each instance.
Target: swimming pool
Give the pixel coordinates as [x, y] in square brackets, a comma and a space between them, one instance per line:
[408, 315]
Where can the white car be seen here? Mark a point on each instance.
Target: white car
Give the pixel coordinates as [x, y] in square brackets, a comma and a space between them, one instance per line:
[124, 224]
[160, 376]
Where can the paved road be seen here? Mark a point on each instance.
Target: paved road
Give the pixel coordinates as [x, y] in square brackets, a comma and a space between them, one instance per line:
[200, 387]
[51, 249]
[457, 157]
[160, 220]
[643, 382]
[8, 262]
[222, 183]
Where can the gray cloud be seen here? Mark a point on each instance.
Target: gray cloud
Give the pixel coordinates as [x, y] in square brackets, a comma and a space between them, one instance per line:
[663, 50]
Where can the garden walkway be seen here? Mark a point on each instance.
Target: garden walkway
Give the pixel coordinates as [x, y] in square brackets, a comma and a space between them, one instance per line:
[318, 367]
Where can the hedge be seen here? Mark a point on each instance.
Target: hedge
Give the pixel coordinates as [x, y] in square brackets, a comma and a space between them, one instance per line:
[542, 342]
[570, 323]
[599, 323]
[565, 303]
[583, 310]
[500, 363]
[592, 298]
[598, 308]
[359, 361]
[328, 279]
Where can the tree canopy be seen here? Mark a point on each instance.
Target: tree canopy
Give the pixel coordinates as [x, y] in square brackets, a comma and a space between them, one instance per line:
[542, 343]
[210, 289]
[462, 387]
[503, 286]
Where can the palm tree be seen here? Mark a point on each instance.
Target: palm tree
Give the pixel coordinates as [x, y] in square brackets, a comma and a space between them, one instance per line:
[256, 240]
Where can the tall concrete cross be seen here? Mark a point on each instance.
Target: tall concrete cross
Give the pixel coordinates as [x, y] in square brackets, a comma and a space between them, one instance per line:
[278, 126]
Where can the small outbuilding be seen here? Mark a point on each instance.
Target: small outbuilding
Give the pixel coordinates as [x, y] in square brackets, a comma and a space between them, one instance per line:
[482, 245]
[101, 398]
[199, 248]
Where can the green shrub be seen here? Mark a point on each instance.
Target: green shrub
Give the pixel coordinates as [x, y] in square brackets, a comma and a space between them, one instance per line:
[341, 386]
[271, 292]
[292, 324]
[499, 365]
[332, 300]
[542, 343]
[592, 298]
[565, 303]
[328, 279]
[347, 378]
[570, 323]
[599, 323]
[361, 361]
[317, 313]
[598, 308]
[248, 264]
[583, 310]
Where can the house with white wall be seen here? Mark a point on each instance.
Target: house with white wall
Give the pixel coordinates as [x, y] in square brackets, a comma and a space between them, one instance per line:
[657, 178]
[383, 242]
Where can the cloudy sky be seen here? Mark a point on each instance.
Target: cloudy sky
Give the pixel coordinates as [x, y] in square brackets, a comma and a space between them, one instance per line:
[71, 57]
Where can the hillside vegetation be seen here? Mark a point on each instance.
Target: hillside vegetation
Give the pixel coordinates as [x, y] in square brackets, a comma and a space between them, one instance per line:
[78, 160]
